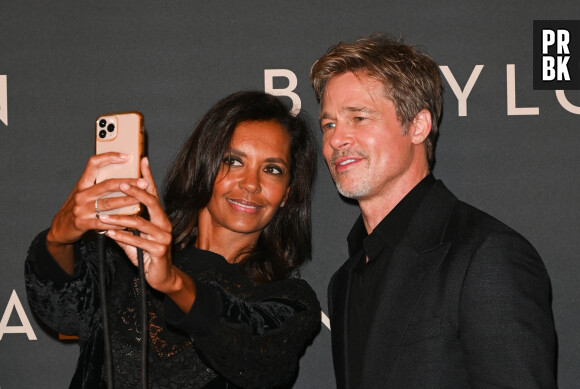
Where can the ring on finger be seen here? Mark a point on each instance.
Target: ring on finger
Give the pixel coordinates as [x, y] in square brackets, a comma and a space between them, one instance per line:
[98, 213]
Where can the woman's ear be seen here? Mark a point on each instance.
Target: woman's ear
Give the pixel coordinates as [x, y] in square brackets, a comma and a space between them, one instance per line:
[420, 127]
[285, 198]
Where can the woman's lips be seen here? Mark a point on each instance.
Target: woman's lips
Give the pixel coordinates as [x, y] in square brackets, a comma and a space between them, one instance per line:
[244, 205]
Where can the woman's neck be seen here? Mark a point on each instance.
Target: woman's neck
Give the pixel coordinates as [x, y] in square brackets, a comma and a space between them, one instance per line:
[220, 240]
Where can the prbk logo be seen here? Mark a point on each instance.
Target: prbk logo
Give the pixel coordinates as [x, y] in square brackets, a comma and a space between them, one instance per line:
[3, 100]
[557, 54]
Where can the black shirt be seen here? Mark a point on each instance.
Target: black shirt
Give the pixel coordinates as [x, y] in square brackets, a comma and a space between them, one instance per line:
[366, 284]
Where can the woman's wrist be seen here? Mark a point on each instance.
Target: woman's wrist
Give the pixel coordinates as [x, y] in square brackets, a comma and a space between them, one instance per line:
[53, 239]
[63, 253]
[181, 290]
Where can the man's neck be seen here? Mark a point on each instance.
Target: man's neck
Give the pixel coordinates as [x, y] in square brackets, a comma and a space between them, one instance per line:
[375, 208]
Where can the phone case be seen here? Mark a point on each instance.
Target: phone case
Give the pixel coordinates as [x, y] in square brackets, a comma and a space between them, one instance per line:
[123, 133]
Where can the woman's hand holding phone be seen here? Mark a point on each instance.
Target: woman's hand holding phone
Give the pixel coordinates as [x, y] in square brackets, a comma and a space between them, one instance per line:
[119, 146]
[78, 214]
[155, 239]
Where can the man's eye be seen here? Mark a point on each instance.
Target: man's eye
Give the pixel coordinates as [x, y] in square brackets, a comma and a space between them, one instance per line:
[359, 119]
[328, 126]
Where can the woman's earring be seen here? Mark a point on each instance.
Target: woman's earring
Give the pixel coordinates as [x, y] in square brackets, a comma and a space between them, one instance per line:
[282, 204]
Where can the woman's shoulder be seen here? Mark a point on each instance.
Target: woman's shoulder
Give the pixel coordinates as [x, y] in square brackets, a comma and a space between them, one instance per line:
[290, 289]
[195, 259]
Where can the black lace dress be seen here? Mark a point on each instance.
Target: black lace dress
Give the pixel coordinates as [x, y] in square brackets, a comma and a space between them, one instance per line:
[237, 333]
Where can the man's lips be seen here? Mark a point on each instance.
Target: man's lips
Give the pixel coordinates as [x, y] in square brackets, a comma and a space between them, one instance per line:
[244, 205]
[344, 163]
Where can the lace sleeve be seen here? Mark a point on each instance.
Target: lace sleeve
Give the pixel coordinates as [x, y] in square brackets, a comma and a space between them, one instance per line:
[67, 303]
[257, 341]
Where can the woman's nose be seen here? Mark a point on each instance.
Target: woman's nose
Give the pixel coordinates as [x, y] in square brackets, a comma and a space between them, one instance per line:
[250, 182]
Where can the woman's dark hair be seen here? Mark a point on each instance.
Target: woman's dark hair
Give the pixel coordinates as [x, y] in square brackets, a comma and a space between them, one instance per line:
[285, 242]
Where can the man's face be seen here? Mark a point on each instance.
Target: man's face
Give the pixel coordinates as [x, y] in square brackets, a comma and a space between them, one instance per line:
[363, 142]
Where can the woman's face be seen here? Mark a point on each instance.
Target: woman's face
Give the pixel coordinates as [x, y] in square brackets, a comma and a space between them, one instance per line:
[253, 179]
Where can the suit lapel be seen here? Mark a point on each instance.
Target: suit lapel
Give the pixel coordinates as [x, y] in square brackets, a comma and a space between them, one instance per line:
[340, 293]
[404, 285]
[414, 262]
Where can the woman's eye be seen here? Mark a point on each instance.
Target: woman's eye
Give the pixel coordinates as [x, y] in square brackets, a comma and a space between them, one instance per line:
[232, 161]
[273, 170]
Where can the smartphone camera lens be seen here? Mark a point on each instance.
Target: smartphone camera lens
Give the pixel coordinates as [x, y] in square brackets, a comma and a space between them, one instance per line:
[102, 123]
[102, 134]
[111, 127]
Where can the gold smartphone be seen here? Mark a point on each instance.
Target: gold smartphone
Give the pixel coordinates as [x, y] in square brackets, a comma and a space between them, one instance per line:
[122, 133]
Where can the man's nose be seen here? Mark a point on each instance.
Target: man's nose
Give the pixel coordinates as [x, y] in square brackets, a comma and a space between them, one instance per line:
[340, 137]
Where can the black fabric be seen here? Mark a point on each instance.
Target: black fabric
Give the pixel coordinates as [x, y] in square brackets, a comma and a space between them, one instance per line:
[236, 334]
[203, 318]
[374, 256]
[465, 303]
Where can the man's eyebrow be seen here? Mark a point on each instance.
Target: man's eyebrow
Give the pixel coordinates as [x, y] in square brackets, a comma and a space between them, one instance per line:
[324, 115]
[358, 109]
[354, 109]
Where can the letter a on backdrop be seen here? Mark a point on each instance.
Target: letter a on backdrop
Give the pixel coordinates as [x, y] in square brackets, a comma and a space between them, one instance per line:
[25, 328]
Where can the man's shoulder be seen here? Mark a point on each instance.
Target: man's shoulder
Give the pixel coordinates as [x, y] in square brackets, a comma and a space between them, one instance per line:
[469, 225]
[464, 221]
[475, 218]
[465, 213]
[476, 238]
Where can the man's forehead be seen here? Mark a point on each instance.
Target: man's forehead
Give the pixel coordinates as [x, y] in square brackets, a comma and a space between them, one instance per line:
[353, 85]
[353, 93]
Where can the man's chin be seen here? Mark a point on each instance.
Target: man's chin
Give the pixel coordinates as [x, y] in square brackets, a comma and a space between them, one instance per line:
[352, 192]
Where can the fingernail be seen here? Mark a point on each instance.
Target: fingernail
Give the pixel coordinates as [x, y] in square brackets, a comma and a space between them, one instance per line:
[110, 233]
[141, 183]
[123, 155]
[104, 216]
[124, 186]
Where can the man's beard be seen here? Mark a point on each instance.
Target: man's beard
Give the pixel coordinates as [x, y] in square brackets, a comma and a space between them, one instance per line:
[358, 191]
[360, 186]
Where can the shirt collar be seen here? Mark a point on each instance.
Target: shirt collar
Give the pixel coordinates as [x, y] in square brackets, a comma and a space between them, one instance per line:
[392, 228]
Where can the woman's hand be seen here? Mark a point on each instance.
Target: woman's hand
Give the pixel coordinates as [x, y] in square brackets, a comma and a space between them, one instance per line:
[155, 239]
[79, 215]
[155, 234]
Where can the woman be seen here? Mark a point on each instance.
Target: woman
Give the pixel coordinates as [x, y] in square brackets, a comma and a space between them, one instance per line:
[223, 307]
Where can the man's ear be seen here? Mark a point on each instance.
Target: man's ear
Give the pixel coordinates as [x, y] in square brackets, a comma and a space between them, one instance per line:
[420, 127]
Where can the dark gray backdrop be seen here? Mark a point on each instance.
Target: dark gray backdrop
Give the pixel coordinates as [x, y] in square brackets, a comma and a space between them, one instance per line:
[66, 62]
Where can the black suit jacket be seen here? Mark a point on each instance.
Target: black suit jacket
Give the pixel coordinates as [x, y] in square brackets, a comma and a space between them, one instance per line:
[466, 303]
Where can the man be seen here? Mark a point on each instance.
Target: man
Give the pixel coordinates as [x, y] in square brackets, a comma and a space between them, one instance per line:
[435, 294]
